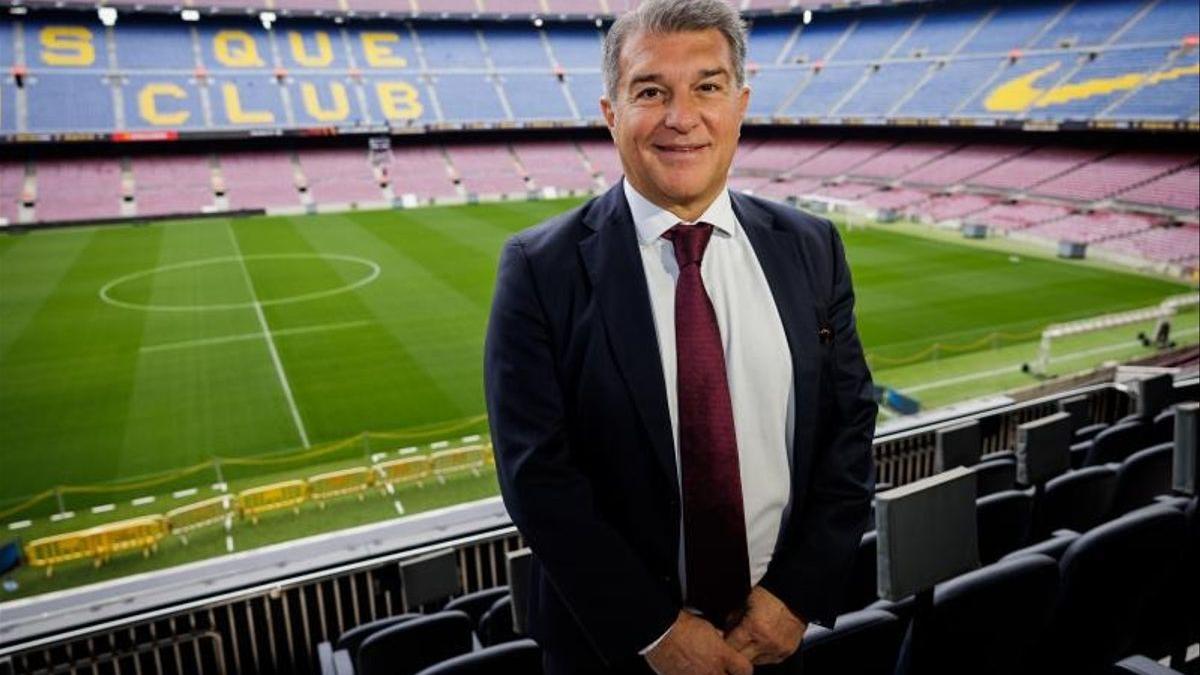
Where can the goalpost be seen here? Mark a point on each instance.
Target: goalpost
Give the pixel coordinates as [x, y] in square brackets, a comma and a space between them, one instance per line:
[1161, 312]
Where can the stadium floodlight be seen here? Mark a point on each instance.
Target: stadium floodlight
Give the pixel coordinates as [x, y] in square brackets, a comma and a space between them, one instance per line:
[807, 17]
[18, 10]
[537, 22]
[108, 15]
[599, 23]
[190, 15]
[267, 19]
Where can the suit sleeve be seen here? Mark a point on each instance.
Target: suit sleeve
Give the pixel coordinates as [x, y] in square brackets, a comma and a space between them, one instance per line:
[620, 605]
[810, 568]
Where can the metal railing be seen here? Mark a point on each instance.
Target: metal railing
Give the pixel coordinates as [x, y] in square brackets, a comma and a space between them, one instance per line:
[275, 628]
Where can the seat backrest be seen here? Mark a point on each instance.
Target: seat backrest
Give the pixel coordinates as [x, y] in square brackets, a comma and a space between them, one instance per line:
[475, 604]
[1117, 443]
[1003, 520]
[496, 624]
[1087, 433]
[353, 638]
[520, 656]
[1054, 546]
[414, 645]
[995, 475]
[1077, 500]
[865, 642]
[1143, 476]
[1108, 575]
[969, 629]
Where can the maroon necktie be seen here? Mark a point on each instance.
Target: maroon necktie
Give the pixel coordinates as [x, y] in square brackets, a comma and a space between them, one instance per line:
[714, 524]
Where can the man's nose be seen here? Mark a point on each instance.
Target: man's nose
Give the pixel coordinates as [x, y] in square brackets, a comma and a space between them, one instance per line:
[682, 114]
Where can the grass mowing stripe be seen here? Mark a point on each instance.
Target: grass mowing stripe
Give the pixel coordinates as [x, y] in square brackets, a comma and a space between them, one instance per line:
[266, 330]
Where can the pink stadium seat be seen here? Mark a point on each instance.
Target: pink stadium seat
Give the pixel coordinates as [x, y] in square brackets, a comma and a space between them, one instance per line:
[847, 190]
[750, 184]
[582, 6]
[841, 158]
[896, 199]
[78, 189]
[1007, 217]
[12, 181]
[512, 6]
[777, 156]
[795, 187]
[554, 164]
[259, 180]
[339, 176]
[486, 168]
[1090, 227]
[901, 159]
[1176, 190]
[171, 184]
[961, 164]
[450, 6]
[604, 158]
[1159, 244]
[420, 170]
[1108, 176]
[1035, 167]
[952, 207]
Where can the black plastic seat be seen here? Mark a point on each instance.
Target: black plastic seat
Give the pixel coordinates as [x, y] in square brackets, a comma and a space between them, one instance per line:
[995, 475]
[970, 627]
[352, 639]
[1087, 433]
[496, 624]
[411, 646]
[1146, 474]
[1002, 522]
[1077, 500]
[477, 603]
[1055, 546]
[865, 642]
[521, 657]
[1117, 443]
[1108, 576]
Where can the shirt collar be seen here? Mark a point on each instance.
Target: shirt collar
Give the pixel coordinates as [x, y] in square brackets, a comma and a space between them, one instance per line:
[652, 221]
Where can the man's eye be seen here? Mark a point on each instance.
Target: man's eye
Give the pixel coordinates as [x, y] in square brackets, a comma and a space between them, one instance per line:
[710, 87]
[648, 93]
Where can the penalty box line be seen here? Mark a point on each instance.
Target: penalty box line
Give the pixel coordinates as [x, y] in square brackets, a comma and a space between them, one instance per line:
[266, 331]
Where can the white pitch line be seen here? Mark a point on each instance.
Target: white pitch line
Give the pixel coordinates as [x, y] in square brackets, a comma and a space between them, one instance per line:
[103, 508]
[1008, 369]
[226, 339]
[54, 518]
[438, 445]
[399, 507]
[262, 321]
[20, 524]
[142, 501]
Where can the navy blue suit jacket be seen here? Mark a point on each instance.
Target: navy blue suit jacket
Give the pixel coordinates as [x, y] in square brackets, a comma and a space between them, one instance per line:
[582, 436]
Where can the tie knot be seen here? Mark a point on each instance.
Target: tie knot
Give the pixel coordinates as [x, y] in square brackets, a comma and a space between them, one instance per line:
[689, 241]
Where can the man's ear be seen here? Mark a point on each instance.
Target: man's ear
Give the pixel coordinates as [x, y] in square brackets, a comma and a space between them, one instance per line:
[610, 115]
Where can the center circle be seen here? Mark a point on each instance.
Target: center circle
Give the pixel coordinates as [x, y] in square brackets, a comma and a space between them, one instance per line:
[371, 267]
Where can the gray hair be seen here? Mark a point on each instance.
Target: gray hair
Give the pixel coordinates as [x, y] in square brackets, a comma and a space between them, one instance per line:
[674, 16]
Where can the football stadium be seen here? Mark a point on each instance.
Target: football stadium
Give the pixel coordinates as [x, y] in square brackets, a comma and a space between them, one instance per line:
[248, 250]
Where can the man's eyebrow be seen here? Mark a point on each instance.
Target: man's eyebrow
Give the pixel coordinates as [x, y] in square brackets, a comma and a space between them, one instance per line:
[710, 72]
[704, 74]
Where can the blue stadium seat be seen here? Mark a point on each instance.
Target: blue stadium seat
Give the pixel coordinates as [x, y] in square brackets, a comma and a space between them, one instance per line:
[467, 98]
[1003, 521]
[1108, 576]
[385, 48]
[496, 624]
[311, 46]
[883, 89]
[876, 34]
[586, 89]
[770, 88]
[321, 100]
[76, 102]
[948, 86]
[972, 626]
[477, 603]
[7, 57]
[452, 46]
[996, 474]
[1167, 21]
[1091, 81]
[864, 642]
[824, 89]
[1089, 23]
[153, 44]
[520, 656]
[536, 96]
[515, 47]
[987, 104]
[1077, 500]
[351, 640]
[162, 102]
[767, 39]
[1144, 475]
[1173, 98]
[1116, 443]
[1011, 27]
[818, 40]
[409, 647]
[862, 587]
[940, 32]
[575, 46]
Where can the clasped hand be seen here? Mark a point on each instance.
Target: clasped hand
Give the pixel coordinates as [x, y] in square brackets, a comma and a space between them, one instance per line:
[767, 632]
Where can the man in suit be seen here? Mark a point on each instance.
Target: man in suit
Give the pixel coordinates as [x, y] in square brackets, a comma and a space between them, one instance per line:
[680, 408]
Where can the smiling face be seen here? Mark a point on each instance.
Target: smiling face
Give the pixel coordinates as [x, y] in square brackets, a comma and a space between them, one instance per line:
[676, 118]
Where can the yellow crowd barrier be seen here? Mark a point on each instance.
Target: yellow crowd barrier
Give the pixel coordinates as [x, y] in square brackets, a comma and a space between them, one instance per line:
[337, 483]
[136, 533]
[448, 462]
[403, 471]
[287, 494]
[185, 519]
[61, 548]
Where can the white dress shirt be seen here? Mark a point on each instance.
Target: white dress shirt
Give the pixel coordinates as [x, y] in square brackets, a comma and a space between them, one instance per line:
[758, 363]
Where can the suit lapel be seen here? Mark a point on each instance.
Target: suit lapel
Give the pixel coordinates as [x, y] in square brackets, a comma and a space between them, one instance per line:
[614, 266]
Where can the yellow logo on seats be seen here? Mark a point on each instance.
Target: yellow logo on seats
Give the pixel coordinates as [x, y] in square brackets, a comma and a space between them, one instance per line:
[1021, 93]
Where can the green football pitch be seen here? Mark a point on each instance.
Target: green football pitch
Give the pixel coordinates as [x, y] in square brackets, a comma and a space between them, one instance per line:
[129, 351]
